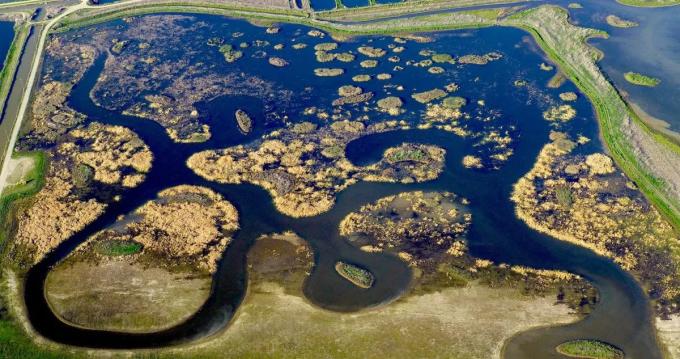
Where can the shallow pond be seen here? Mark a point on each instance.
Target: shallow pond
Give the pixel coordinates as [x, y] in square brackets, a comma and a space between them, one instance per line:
[621, 318]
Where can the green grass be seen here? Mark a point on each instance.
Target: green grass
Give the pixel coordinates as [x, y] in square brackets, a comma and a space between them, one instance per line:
[15, 344]
[592, 349]
[33, 183]
[640, 79]
[82, 175]
[407, 154]
[564, 197]
[649, 3]
[116, 248]
[97, 16]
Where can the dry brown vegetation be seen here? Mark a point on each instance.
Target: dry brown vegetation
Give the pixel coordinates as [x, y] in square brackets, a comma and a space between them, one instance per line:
[115, 153]
[562, 113]
[303, 170]
[56, 214]
[584, 200]
[51, 116]
[185, 224]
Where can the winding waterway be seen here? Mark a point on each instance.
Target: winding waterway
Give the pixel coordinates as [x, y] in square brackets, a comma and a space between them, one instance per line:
[622, 317]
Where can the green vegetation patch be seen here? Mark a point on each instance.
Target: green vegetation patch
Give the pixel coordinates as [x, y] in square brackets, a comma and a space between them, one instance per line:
[407, 154]
[454, 102]
[640, 79]
[16, 344]
[30, 184]
[442, 58]
[588, 348]
[355, 274]
[616, 21]
[82, 175]
[116, 247]
[649, 3]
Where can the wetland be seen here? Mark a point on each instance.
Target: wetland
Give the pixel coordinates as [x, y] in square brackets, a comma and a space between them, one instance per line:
[252, 169]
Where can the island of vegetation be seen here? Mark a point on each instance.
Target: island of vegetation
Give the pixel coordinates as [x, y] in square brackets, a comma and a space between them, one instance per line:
[276, 163]
[243, 120]
[589, 349]
[616, 21]
[358, 276]
[641, 80]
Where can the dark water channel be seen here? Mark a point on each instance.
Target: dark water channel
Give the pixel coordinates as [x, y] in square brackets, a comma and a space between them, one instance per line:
[6, 37]
[622, 317]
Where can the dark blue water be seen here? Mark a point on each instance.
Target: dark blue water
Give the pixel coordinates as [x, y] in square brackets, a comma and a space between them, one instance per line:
[6, 37]
[321, 5]
[355, 3]
[622, 318]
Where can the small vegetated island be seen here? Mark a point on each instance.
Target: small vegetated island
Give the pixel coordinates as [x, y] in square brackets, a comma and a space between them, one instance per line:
[174, 85]
[616, 21]
[589, 349]
[355, 274]
[641, 80]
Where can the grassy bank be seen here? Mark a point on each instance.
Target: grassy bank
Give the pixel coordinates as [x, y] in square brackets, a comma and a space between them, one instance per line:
[100, 15]
[15, 344]
[649, 3]
[436, 22]
[569, 50]
[33, 181]
[379, 11]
